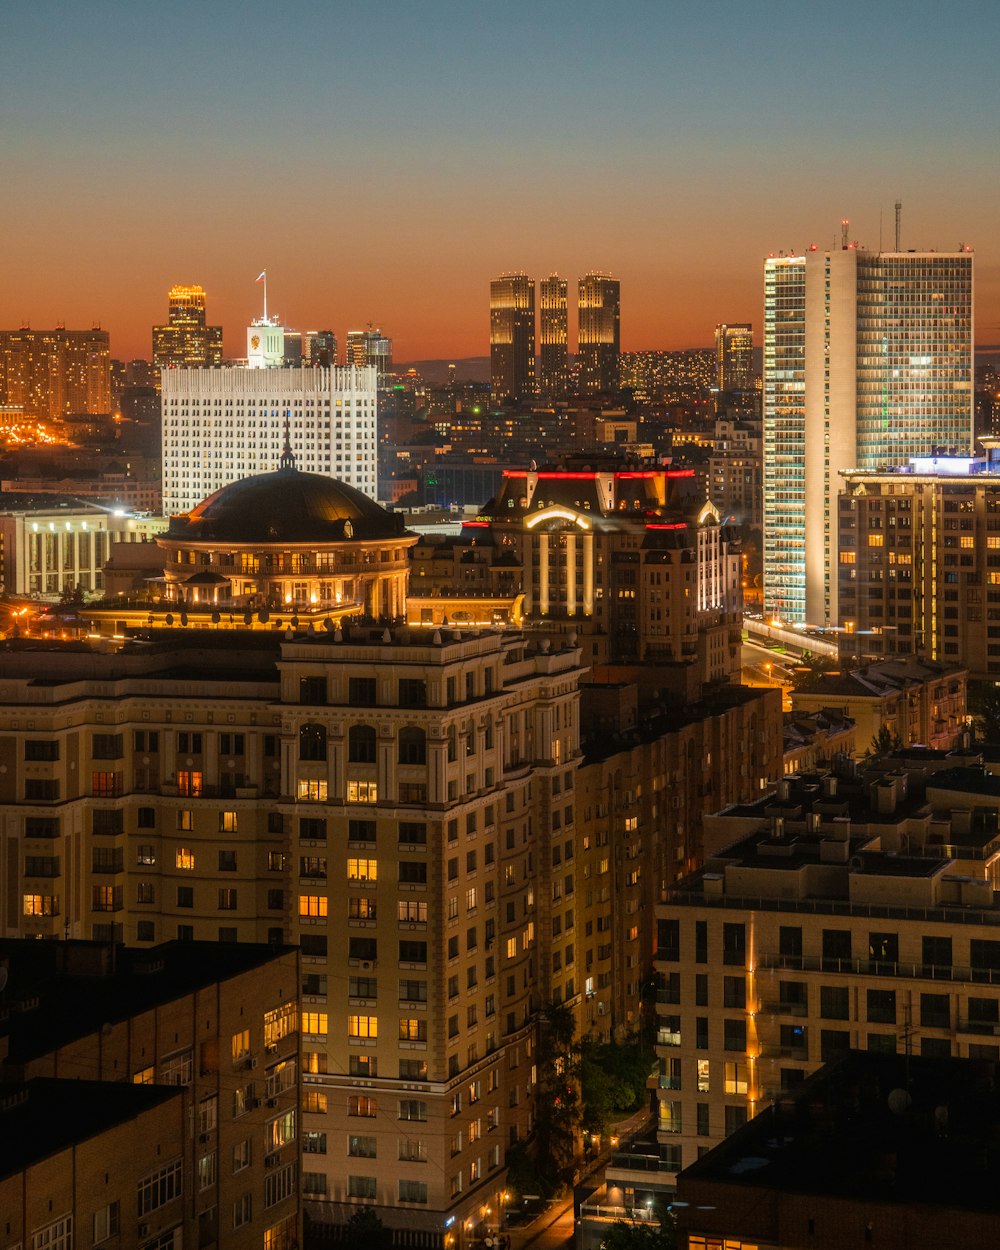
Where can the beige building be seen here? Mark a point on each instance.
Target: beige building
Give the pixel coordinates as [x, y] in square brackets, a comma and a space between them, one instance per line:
[919, 569]
[409, 782]
[216, 1159]
[914, 701]
[839, 913]
[51, 374]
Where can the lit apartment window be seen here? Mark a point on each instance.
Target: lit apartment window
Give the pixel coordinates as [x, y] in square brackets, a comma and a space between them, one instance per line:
[362, 1026]
[41, 905]
[189, 784]
[313, 790]
[361, 791]
[362, 870]
[315, 1023]
[184, 858]
[313, 905]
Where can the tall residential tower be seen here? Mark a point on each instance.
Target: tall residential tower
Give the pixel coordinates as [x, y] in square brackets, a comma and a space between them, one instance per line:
[553, 335]
[186, 341]
[512, 337]
[734, 357]
[868, 361]
[599, 334]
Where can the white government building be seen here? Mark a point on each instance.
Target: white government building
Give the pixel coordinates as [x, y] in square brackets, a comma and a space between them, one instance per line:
[222, 424]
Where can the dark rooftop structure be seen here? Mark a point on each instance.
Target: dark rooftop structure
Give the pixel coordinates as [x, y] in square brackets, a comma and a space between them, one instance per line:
[888, 1150]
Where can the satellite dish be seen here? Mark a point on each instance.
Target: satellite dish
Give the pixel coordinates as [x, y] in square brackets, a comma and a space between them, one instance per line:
[216, 618]
[899, 1101]
[169, 618]
[184, 618]
[328, 625]
[247, 618]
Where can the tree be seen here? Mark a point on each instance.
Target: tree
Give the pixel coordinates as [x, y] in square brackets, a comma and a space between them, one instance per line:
[984, 704]
[882, 743]
[811, 668]
[558, 1113]
[365, 1231]
[623, 1235]
[72, 596]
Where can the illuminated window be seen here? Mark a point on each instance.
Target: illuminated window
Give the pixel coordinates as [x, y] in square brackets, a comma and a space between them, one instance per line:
[847, 557]
[512, 948]
[412, 1029]
[363, 1105]
[315, 905]
[279, 1022]
[184, 858]
[412, 911]
[876, 540]
[315, 1022]
[241, 1045]
[227, 822]
[189, 784]
[967, 540]
[41, 905]
[703, 1076]
[362, 1026]
[313, 790]
[279, 1131]
[735, 1078]
[315, 1101]
[362, 870]
[361, 791]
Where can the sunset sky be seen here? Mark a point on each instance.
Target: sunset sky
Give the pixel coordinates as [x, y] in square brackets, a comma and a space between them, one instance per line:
[385, 160]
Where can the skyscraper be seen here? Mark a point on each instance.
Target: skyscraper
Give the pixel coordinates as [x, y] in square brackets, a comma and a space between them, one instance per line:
[369, 349]
[553, 335]
[52, 373]
[186, 341]
[320, 348]
[868, 360]
[512, 337]
[734, 357]
[599, 334]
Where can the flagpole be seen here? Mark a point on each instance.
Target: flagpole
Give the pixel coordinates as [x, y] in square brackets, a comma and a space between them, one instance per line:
[265, 295]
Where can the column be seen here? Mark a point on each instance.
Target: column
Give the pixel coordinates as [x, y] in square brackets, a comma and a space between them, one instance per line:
[588, 575]
[543, 574]
[571, 574]
[529, 602]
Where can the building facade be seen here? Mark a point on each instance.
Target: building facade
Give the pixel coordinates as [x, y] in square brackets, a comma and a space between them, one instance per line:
[599, 334]
[50, 374]
[223, 424]
[734, 357]
[369, 349]
[187, 341]
[512, 337]
[919, 564]
[553, 336]
[868, 361]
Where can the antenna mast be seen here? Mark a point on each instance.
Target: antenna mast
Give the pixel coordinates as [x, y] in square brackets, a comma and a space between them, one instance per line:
[899, 216]
[844, 224]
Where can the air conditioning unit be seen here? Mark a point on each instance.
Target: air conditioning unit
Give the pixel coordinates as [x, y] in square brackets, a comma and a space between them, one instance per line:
[253, 1104]
[272, 1102]
[272, 1049]
[252, 1063]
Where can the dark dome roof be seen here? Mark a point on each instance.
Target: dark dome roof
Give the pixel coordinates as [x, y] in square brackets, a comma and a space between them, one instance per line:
[287, 506]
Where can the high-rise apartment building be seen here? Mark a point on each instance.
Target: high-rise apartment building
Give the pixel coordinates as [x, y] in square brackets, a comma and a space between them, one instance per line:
[553, 337]
[599, 334]
[320, 348]
[51, 374]
[224, 424]
[868, 361]
[512, 337]
[734, 357]
[369, 349]
[186, 341]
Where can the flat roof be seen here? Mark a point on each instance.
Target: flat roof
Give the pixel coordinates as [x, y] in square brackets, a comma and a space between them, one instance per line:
[81, 986]
[41, 1117]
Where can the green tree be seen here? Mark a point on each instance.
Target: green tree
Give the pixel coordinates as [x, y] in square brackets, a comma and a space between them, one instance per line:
[623, 1235]
[984, 704]
[558, 1114]
[882, 743]
[811, 668]
[365, 1231]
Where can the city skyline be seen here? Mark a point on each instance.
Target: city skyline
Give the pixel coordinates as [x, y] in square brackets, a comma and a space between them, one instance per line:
[170, 138]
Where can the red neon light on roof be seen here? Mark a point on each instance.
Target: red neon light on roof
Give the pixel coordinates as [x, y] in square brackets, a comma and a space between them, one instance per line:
[633, 473]
[483, 525]
[661, 525]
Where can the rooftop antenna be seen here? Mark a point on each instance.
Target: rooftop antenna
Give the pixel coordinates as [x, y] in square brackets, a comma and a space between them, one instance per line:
[899, 222]
[262, 277]
[844, 225]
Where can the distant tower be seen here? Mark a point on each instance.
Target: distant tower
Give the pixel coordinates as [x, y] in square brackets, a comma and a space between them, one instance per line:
[186, 342]
[734, 357]
[369, 348]
[553, 335]
[512, 337]
[599, 334]
[320, 348]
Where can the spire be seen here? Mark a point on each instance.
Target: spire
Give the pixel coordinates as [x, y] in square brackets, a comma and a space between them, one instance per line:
[287, 460]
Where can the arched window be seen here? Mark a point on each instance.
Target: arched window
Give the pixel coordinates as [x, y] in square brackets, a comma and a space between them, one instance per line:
[361, 744]
[412, 746]
[312, 742]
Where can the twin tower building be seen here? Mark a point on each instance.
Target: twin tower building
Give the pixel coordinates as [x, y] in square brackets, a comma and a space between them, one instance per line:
[512, 336]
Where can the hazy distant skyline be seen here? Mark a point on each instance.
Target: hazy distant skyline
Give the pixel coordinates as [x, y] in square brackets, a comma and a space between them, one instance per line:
[384, 162]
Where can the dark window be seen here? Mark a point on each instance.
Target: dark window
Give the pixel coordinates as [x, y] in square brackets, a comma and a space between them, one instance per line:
[412, 746]
[312, 828]
[734, 992]
[734, 1034]
[834, 1002]
[227, 861]
[937, 956]
[361, 692]
[108, 821]
[883, 951]
[935, 1047]
[882, 1043]
[361, 744]
[313, 945]
[41, 826]
[312, 742]
[188, 743]
[700, 1032]
[734, 944]
[41, 749]
[794, 1040]
[413, 871]
[412, 692]
[833, 1043]
[185, 896]
[836, 948]
[701, 989]
[984, 1011]
[984, 956]
[412, 952]
[312, 691]
[792, 994]
[232, 744]
[882, 1006]
[412, 834]
[362, 948]
[790, 941]
[701, 941]
[107, 747]
[701, 1119]
[275, 900]
[40, 790]
[145, 930]
[935, 1011]
[145, 818]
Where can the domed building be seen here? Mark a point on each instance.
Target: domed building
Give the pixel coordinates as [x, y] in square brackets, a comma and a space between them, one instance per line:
[288, 541]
